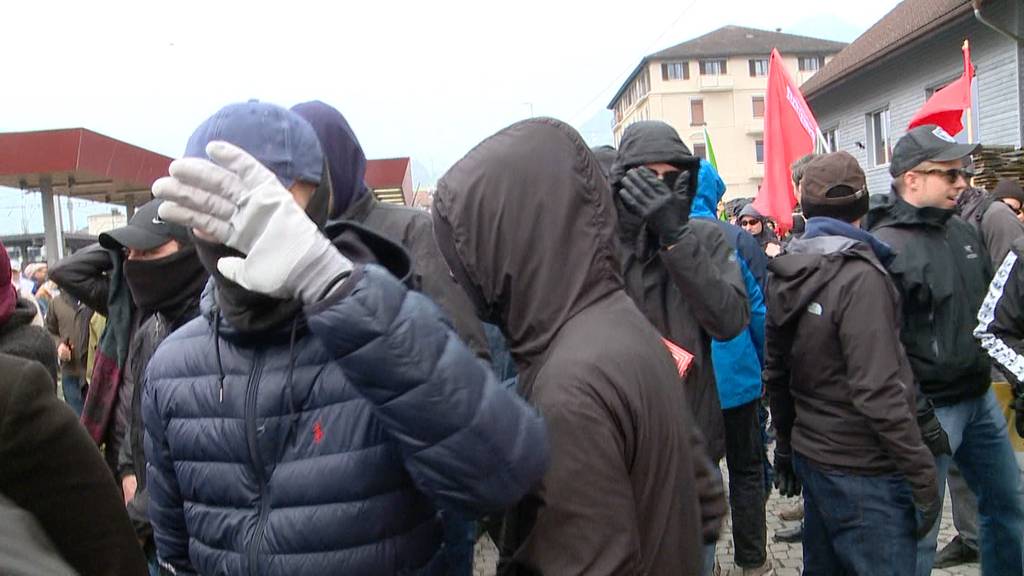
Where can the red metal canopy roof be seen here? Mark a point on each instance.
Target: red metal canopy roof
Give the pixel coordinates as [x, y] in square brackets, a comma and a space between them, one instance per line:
[80, 163]
[390, 179]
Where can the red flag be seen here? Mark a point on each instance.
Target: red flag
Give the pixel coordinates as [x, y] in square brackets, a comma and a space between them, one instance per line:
[946, 107]
[790, 132]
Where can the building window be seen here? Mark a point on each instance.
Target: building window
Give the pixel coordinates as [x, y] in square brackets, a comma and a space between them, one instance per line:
[758, 102]
[636, 91]
[831, 140]
[675, 71]
[759, 151]
[811, 63]
[696, 112]
[701, 151]
[713, 67]
[879, 146]
[758, 67]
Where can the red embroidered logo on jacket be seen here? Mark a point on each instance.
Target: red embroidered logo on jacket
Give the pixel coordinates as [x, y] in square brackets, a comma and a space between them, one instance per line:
[318, 432]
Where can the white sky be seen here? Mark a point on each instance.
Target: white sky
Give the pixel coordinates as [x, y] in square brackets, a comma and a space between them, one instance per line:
[425, 79]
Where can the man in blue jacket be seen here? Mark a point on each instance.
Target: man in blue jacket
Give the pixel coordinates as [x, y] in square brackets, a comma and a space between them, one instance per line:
[318, 413]
[737, 364]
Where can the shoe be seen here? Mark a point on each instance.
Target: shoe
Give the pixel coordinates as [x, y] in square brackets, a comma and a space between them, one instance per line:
[955, 553]
[796, 512]
[790, 535]
[765, 569]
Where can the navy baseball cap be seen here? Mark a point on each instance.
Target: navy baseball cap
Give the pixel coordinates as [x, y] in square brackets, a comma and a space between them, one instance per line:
[280, 139]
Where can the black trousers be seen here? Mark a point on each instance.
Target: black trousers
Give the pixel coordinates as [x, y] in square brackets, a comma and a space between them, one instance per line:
[743, 451]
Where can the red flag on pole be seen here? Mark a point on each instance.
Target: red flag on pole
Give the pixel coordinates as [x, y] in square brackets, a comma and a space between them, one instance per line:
[946, 107]
[790, 132]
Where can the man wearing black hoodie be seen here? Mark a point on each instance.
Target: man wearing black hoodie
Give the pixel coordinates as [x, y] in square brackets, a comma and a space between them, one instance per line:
[841, 388]
[526, 223]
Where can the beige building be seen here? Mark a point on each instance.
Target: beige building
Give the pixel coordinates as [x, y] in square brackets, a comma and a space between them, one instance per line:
[717, 82]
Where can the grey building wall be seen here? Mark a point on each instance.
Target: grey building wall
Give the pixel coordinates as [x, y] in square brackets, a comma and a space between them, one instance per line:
[900, 81]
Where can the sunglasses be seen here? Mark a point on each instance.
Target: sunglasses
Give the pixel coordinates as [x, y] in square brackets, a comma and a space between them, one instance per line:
[748, 222]
[951, 174]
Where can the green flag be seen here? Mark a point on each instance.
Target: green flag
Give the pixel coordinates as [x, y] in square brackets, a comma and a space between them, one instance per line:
[710, 148]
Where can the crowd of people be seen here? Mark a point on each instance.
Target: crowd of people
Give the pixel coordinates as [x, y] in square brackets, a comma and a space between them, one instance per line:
[267, 371]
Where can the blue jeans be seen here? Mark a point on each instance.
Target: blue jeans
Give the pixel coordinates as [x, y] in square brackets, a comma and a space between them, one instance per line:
[856, 525]
[72, 386]
[978, 436]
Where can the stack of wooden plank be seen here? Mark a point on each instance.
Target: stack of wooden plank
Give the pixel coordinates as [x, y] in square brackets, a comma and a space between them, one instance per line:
[993, 163]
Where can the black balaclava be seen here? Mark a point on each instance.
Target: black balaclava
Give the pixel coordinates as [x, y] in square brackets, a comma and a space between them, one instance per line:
[169, 285]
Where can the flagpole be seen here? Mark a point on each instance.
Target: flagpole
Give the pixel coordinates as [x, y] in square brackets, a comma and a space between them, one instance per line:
[970, 110]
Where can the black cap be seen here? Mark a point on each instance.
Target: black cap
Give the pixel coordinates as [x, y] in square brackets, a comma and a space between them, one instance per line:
[145, 231]
[926, 143]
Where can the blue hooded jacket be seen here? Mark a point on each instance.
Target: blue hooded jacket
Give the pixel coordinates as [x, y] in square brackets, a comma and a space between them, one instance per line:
[737, 362]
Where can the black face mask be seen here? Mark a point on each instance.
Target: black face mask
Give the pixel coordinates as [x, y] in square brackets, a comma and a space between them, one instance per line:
[169, 285]
[247, 311]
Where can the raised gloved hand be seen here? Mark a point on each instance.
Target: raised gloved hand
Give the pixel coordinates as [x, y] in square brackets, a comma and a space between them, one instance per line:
[239, 202]
[927, 515]
[666, 210]
[1018, 410]
[786, 481]
[934, 436]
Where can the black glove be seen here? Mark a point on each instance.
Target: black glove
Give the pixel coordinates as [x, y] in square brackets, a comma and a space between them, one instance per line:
[935, 437]
[1018, 409]
[927, 516]
[666, 210]
[786, 481]
[713, 507]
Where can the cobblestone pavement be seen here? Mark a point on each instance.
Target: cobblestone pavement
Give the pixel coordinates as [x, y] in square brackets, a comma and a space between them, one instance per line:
[787, 558]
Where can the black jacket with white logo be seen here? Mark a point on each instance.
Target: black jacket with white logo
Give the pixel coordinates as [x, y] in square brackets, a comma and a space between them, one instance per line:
[1001, 319]
[942, 271]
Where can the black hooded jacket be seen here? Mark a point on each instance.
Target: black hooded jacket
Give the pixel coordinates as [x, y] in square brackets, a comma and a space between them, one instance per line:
[942, 271]
[409, 227]
[526, 223]
[691, 292]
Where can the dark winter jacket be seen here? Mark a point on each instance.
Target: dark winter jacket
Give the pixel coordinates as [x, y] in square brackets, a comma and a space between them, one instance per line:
[95, 276]
[51, 468]
[620, 496]
[942, 271]
[841, 387]
[326, 446]
[413, 229]
[19, 337]
[25, 548]
[132, 456]
[738, 362]
[691, 292]
[994, 222]
[67, 320]
[1000, 326]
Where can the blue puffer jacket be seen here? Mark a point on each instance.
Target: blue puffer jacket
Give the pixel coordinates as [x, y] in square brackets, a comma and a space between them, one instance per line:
[333, 446]
[737, 362]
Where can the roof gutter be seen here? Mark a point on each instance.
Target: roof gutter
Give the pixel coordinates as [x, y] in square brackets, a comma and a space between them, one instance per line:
[993, 25]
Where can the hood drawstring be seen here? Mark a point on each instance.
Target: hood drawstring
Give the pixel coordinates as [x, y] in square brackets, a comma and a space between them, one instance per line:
[216, 345]
[289, 390]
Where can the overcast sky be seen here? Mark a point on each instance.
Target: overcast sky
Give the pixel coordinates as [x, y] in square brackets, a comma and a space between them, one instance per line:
[426, 79]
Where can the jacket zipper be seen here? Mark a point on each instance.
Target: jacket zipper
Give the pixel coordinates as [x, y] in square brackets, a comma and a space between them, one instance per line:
[251, 396]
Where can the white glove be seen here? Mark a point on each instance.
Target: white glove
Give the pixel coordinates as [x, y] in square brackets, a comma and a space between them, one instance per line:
[240, 203]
